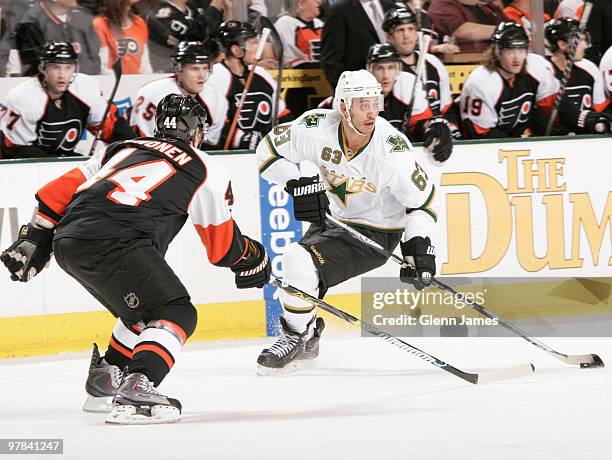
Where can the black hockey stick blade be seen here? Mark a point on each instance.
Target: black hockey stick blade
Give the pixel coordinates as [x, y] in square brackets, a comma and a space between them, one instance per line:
[584, 361]
[513, 372]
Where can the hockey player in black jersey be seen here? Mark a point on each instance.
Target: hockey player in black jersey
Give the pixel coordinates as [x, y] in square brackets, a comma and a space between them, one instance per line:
[109, 223]
[239, 42]
[513, 93]
[383, 62]
[46, 115]
[585, 87]
[400, 26]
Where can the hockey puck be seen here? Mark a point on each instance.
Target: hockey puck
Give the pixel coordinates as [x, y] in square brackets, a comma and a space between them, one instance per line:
[453, 331]
[597, 362]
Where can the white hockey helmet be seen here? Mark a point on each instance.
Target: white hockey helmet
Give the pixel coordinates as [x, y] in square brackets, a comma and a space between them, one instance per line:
[354, 84]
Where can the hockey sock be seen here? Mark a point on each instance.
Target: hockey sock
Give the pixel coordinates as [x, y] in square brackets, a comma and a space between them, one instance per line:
[121, 344]
[161, 341]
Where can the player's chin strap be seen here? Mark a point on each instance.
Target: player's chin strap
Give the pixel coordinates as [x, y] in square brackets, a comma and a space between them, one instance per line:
[350, 122]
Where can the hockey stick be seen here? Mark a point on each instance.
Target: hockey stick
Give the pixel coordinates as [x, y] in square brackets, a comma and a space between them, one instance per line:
[568, 67]
[247, 85]
[117, 72]
[279, 74]
[424, 41]
[513, 372]
[584, 361]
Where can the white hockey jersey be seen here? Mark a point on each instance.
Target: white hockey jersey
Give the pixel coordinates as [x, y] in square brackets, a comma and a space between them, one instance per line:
[488, 101]
[605, 67]
[28, 117]
[301, 41]
[381, 187]
[143, 114]
[437, 85]
[255, 117]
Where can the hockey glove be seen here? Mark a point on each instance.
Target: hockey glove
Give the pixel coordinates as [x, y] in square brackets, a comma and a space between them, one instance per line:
[419, 253]
[27, 256]
[254, 269]
[310, 202]
[438, 136]
[594, 122]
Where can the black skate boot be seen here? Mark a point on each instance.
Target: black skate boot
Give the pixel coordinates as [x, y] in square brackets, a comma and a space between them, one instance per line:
[291, 347]
[102, 382]
[138, 403]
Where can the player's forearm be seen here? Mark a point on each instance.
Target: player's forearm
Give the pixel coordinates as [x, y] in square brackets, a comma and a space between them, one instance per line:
[419, 222]
[54, 196]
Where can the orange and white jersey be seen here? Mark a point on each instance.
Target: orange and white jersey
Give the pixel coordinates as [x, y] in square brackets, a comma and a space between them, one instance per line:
[570, 9]
[585, 87]
[605, 67]
[488, 101]
[146, 188]
[29, 117]
[372, 189]
[143, 114]
[301, 40]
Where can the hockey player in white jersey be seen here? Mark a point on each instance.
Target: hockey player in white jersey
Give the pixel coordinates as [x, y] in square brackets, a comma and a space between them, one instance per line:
[192, 66]
[46, 115]
[370, 180]
[400, 26]
[513, 92]
[585, 86]
[239, 42]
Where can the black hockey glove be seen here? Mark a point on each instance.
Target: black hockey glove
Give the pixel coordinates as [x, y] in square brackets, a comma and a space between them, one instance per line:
[594, 122]
[438, 133]
[27, 256]
[254, 269]
[310, 202]
[419, 253]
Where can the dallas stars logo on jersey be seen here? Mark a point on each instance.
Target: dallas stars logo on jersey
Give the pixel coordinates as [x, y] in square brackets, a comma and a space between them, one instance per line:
[398, 143]
[312, 120]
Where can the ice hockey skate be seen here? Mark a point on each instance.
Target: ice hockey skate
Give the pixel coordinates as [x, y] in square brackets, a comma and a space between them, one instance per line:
[138, 403]
[291, 347]
[102, 383]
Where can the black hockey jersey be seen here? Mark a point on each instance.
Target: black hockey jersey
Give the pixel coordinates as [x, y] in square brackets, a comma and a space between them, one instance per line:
[438, 86]
[29, 118]
[146, 188]
[168, 26]
[255, 118]
[492, 106]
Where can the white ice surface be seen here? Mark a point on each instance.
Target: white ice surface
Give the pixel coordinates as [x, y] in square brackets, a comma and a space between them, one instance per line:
[362, 398]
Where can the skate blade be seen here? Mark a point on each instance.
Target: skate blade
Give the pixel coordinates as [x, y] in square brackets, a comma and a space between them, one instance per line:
[130, 415]
[99, 405]
[264, 371]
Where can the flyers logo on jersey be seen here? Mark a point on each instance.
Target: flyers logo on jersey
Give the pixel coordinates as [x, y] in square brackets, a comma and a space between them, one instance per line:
[515, 111]
[257, 108]
[127, 46]
[61, 135]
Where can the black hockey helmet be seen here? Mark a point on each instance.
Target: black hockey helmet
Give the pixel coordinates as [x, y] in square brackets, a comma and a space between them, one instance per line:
[397, 16]
[62, 52]
[509, 34]
[382, 52]
[234, 33]
[191, 53]
[179, 116]
[561, 29]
